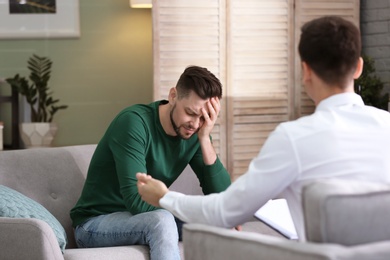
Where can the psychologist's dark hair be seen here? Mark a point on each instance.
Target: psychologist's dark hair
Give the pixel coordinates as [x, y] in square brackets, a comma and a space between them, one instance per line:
[331, 46]
[201, 81]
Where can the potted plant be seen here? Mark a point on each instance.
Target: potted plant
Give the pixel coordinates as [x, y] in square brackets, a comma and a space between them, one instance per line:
[41, 130]
[370, 87]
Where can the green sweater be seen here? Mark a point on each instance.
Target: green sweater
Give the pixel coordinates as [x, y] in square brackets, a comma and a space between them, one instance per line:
[136, 142]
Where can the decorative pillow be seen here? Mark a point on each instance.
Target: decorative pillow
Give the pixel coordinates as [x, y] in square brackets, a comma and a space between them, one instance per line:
[15, 205]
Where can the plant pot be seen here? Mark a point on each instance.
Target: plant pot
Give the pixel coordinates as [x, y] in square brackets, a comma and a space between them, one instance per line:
[37, 134]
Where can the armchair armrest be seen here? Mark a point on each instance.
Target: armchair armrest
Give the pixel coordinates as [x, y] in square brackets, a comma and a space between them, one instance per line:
[202, 242]
[28, 238]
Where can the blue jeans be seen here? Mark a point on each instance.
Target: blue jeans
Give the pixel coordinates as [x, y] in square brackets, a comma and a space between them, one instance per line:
[157, 229]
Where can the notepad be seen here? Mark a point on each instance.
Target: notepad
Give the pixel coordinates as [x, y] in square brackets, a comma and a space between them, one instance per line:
[276, 214]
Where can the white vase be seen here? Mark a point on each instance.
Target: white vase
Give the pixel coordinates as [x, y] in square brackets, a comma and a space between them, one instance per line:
[37, 134]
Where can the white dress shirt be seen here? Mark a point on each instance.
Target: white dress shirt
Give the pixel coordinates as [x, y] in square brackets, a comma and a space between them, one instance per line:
[342, 139]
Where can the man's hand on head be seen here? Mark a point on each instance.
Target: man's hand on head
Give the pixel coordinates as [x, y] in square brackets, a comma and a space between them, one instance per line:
[210, 115]
[150, 190]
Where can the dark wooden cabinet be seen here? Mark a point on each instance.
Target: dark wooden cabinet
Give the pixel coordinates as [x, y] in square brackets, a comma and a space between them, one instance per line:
[13, 99]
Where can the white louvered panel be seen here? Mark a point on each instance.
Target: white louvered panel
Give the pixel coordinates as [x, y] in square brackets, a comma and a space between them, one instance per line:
[307, 10]
[252, 127]
[190, 33]
[186, 33]
[259, 66]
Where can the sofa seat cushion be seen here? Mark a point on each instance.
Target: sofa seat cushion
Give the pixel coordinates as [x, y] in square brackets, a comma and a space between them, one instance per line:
[108, 253]
[15, 205]
[134, 252]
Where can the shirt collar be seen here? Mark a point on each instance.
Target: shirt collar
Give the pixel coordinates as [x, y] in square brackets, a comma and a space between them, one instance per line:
[340, 100]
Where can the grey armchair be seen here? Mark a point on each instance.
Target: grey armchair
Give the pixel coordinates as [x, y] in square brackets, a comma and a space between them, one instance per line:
[343, 220]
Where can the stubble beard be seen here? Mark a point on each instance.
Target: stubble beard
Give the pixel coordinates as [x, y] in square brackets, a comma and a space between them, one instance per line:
[177, 128]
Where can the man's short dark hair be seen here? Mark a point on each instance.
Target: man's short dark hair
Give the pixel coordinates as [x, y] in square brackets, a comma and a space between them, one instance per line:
[331, 46]
[199, 80]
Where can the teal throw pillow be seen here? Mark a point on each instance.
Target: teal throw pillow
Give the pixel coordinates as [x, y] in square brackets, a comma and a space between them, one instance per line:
[15, 205]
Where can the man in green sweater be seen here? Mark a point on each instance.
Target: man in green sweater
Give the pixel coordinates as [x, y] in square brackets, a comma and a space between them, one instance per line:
[161, 139]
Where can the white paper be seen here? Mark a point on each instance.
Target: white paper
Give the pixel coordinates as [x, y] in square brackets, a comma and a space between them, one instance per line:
[276, 214]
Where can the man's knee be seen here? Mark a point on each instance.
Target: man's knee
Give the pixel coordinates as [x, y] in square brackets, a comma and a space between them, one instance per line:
[163, 222]
[164, 216]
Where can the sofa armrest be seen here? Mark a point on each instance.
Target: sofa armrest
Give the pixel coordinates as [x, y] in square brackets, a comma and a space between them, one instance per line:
[27, 238]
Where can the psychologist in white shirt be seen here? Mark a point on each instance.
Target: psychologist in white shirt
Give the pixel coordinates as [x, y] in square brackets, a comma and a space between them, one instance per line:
[343, 138]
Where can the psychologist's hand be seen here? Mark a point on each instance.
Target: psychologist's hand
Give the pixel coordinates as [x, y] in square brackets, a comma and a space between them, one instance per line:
[150, 190]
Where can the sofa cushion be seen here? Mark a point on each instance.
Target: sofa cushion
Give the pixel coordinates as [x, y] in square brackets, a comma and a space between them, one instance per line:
[15, 205]
[346, 212]
[134, 252]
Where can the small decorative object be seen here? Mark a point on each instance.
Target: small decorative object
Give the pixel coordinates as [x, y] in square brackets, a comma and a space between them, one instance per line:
[388, 106]
[1, 135]
[41, 130]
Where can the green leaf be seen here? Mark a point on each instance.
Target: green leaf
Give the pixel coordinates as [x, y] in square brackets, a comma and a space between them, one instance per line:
[37, 91]
[369, 86]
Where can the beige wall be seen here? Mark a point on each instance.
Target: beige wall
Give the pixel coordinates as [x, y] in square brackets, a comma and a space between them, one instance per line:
[107, 69]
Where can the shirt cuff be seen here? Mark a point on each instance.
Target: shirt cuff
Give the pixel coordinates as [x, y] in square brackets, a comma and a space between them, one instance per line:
[167, 202]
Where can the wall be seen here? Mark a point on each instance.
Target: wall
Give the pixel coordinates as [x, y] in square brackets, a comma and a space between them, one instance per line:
[107, 69]
[375, 28]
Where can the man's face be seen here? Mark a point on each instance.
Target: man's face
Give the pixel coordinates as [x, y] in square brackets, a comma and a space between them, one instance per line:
[186, 115]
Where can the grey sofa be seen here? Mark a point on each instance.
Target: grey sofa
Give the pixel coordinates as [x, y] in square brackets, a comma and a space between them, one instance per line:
[54, 177]
[345, 220]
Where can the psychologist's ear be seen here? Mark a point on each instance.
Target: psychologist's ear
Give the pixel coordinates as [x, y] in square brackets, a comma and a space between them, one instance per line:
[359, 68]
[306, 73]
